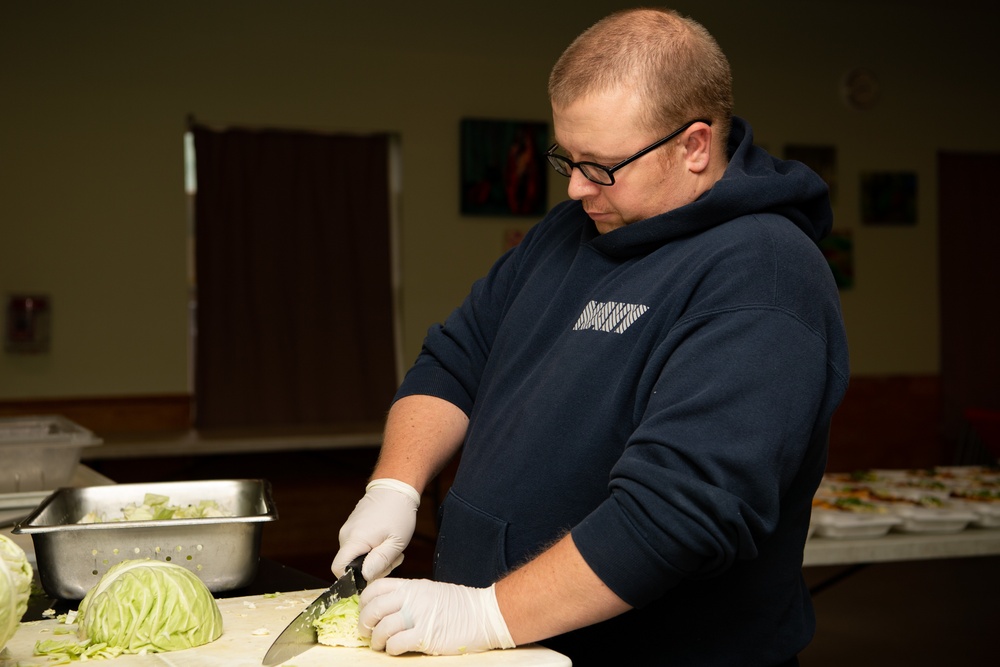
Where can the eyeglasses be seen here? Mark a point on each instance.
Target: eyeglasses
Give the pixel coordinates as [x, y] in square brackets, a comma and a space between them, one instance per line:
[600, 174]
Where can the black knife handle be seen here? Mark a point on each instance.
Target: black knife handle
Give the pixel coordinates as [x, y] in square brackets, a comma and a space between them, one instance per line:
[355, 569]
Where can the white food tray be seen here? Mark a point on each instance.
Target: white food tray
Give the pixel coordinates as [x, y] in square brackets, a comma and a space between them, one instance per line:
[987, 513]
[916, 519]
[840, 524]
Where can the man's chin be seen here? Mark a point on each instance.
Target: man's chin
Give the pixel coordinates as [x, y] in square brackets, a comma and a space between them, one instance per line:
[606, 222]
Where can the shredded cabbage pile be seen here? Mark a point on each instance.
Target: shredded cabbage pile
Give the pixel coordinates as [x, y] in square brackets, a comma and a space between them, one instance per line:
[63, 651]
[156, 507]
[15, 587]
[338, 625]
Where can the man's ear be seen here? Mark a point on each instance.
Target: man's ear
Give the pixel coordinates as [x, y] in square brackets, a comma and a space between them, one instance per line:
[698, 147]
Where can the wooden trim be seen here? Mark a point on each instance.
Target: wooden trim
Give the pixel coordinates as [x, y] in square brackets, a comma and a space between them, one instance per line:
[883, 422]
[111, 414]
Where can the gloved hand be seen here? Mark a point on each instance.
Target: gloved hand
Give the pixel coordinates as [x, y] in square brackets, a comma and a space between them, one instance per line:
[381, 526]
[431, 617]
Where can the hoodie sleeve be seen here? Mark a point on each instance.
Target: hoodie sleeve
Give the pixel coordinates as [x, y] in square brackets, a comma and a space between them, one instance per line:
[731, 423]
[701, 481]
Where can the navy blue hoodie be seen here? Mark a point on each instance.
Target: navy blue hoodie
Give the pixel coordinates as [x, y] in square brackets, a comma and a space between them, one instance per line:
[664, 392]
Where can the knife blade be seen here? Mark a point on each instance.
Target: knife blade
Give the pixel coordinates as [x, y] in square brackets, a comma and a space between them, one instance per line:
[300, 634]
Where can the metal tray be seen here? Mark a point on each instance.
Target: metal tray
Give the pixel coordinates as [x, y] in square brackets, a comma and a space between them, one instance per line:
[222, 551]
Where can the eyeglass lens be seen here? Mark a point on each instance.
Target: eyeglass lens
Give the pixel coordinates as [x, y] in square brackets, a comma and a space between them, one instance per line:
[593, 172]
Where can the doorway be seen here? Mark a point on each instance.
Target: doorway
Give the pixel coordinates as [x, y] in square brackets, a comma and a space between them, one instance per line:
[294, 279]
[968, 243]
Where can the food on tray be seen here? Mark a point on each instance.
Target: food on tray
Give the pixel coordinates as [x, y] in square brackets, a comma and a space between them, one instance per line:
[156, 507]
[149, 606]
[922, 483]
[930, 500]
[847, 504]
[864, 476]
[905, 496]
[15, 587]
[338, 625]
[984, 495]
[986, 474]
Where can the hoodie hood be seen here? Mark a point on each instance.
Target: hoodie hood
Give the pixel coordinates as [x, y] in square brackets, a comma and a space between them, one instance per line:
[754, 182]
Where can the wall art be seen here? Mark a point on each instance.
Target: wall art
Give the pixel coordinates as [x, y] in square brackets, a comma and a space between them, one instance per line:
[503, 167]
[889, 198]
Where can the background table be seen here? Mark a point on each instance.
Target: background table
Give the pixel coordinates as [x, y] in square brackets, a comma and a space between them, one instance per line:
[857, 554]
[902, 546]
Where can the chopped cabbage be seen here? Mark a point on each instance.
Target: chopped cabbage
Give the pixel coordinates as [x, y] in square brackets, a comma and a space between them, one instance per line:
[149, 606]
[156, 507]
[338, 625]
[15, 587]
[61, 651]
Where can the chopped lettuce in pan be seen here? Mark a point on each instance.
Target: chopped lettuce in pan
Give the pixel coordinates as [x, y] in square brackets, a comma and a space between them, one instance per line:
[157, 507]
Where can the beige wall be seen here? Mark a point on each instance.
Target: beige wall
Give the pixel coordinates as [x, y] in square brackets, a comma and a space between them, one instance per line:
[95, 96]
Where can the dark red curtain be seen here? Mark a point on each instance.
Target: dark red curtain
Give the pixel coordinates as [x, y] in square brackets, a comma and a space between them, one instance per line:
[294, 282]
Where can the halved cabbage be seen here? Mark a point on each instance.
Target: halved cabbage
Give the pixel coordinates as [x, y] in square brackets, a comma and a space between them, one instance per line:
[338, 625]
[149, 606]
[15, 587]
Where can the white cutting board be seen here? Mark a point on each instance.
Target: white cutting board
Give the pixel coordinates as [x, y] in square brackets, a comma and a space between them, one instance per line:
[243, 643]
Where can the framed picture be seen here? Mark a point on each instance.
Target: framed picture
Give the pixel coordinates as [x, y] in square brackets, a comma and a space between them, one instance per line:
[838, 248]
[503, 171]
[889, 198]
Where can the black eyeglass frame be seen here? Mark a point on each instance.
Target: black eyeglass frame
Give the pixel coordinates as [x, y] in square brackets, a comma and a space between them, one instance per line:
[564, 166]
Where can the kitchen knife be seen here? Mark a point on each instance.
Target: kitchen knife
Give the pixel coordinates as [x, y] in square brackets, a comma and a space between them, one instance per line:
[300, 633]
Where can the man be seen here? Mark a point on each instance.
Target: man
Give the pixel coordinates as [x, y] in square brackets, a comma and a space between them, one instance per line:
[641, 390]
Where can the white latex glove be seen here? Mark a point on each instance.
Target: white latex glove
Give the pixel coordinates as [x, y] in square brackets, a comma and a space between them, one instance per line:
[431, 617]
[381, 526]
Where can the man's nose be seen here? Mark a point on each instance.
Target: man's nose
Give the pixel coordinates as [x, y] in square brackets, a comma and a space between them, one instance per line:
[580, 186]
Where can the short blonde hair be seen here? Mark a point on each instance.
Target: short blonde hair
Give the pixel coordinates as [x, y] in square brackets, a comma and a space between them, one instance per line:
[673, 63]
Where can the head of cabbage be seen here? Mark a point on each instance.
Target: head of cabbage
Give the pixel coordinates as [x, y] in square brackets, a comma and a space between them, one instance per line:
[15, 587]
[149, 606]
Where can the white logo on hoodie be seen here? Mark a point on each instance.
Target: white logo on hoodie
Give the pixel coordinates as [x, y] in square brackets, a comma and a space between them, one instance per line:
[610, 316]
